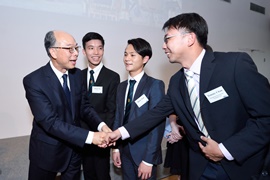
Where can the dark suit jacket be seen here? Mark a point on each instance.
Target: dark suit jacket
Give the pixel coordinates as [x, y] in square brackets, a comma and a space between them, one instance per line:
[105, 103]
[55, 133]
[241, 121]
[146, 147]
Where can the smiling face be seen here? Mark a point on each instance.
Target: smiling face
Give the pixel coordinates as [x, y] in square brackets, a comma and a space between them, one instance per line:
[175, 45]
[94, 51]
[133, 61]
[63, 59]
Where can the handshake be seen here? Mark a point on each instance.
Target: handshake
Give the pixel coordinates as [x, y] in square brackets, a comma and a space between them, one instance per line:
[106, 137]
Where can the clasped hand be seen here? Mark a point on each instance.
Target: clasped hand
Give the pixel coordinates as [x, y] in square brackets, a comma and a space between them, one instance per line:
[106, 137]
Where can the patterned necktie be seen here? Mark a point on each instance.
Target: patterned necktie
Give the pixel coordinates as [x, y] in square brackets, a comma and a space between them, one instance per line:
[66, 89]
[91, 82]
[129, 100]
[195, 101]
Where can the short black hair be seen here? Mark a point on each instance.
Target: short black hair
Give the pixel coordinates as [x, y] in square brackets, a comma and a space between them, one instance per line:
[141, 46]
[191, 22]
[90, 36]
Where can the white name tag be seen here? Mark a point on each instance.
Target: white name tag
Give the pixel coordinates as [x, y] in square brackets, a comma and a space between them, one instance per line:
[97, 89]
[216, 94]
[141, 100]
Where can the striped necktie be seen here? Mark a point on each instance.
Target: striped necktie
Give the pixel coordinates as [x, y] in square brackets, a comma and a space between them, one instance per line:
[195, 101]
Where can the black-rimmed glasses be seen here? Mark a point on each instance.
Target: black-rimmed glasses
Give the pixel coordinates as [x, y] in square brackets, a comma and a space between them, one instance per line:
[71, 49]
[166, 38]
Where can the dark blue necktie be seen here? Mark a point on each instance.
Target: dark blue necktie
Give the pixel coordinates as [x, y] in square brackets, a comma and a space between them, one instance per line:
[91, 82]
[66, 89]
[129, 100]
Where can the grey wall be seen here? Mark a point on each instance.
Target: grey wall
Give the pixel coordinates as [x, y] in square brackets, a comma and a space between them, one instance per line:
[232, 27]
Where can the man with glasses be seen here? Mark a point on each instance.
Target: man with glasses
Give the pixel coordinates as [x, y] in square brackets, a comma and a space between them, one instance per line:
[58, 103]
[220, 98]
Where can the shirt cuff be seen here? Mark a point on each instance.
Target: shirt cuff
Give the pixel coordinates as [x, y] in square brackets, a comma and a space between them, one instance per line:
[90, 137]
[225, 152]
[115, 150]
[100, 126]
[124, 133]
[148, 164]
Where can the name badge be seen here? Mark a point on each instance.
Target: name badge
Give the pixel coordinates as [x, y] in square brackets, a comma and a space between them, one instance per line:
[216, 94]
[141, 100]
[97, 89]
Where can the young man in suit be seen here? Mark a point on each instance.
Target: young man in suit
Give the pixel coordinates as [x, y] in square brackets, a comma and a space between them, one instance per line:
[140, 157]
[57, 101]
[102, 96]
[229, 136]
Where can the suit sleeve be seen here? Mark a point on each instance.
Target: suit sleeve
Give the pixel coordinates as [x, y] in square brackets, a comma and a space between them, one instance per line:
[254, 91]
[88, 113]
[155, 136]
[46, 114]
[111, 101]
[151, 118]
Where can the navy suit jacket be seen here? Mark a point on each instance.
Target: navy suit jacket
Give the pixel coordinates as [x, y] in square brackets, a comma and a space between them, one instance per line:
[55, 133]
[104, 103]
[146, 147]
[241, 121]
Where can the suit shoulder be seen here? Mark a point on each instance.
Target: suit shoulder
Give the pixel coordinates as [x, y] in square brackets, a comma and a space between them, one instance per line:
[152, 80]
[35, 73]
[75, 71]
[111, 72]
[225, 55]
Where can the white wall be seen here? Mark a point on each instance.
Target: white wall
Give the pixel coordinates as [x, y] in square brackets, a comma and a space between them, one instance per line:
[232, 27]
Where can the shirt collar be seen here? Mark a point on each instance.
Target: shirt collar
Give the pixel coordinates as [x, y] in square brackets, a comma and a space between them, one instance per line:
[138, 77]
[196, 66]
[57, 72]
[96, 69]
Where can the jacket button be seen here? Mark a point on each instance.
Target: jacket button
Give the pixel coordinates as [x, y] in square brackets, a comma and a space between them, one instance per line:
[264, 173]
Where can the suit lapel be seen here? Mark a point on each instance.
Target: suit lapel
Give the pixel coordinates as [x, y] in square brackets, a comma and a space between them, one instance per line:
[138, 93]
[207, 69]
[102, 75]
[185, 96]
[54, 84]
[122, 91]
[72, 92]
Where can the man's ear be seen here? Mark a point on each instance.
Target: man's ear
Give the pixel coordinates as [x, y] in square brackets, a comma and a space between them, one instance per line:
[53, 53]
[145, 59]
[191, 38]
[83, 51]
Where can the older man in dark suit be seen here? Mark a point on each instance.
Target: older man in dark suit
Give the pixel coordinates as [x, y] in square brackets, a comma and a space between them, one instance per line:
[58, 102]
[226, 114]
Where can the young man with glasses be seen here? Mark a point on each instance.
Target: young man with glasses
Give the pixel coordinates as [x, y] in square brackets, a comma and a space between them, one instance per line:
[221, 99]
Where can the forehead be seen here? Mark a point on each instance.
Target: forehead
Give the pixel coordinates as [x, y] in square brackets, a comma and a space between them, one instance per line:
[171, 30]
[130, 48]
[94, 42]
[64, 38]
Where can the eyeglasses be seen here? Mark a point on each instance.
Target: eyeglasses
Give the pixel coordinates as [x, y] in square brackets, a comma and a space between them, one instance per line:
[71, 49]
[166, 38]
